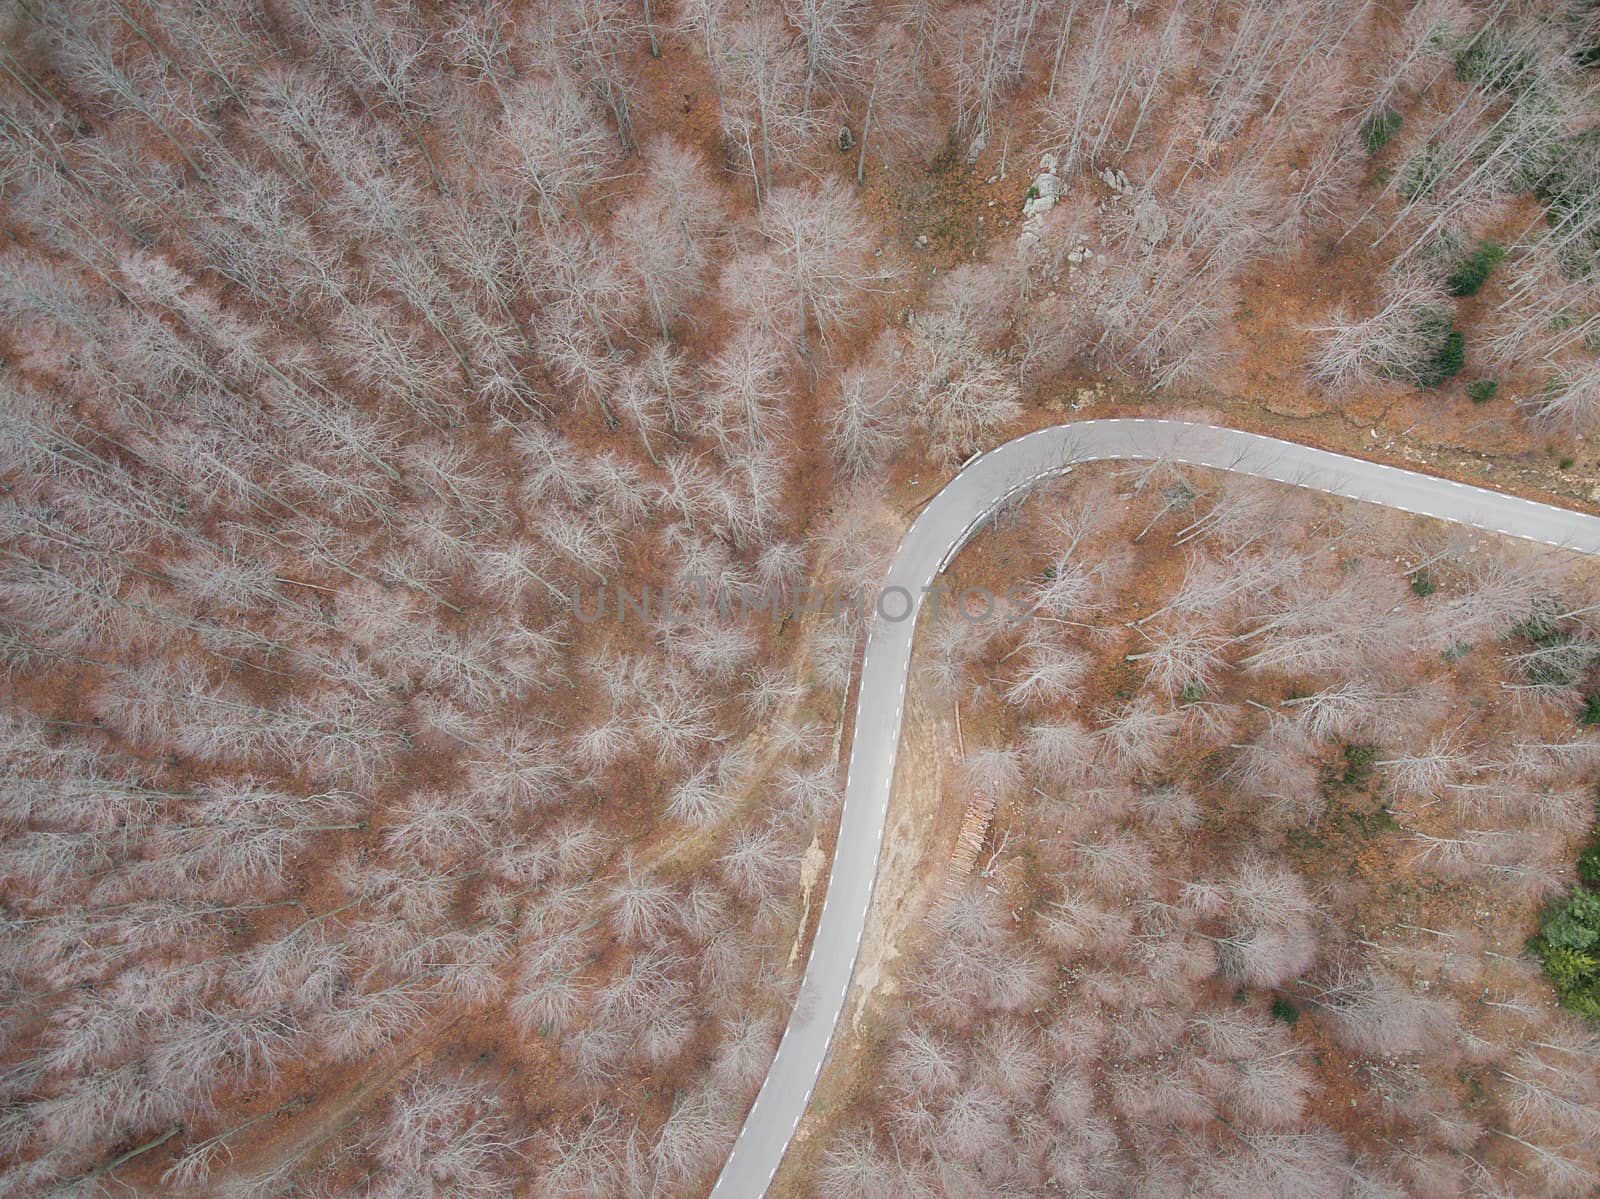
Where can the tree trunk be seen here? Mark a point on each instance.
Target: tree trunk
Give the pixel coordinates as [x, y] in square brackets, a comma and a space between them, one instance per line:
[866, 126]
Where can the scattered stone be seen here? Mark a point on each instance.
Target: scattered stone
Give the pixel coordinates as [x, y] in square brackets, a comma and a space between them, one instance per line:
[922, 241]
[1042, 195]
[992, 180]
[1116, 180]
[1149, 222]
[1046, 187]
[847, 140]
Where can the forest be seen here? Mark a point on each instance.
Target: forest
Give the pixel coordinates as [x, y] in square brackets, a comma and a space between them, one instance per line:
[344, 342]
[1279, 787]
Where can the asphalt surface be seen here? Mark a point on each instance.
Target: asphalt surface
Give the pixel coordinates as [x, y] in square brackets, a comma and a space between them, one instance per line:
[946, 524]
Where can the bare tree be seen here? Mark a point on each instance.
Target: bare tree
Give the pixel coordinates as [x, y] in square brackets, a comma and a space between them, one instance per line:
[855, 1168]
[820, 257]
[993, 772]
[1050, 674]
[449, 1133]
[1400, 341]
[375, 51]
[867, 426]
[595, 40]
[1136, 735]
[1062, 752]
[1184, 656]
[898, 121]
[666, 228]
[1373, 1012]
[644, 910]
[961, 393]
[1117, 863]
[1571, 400]
[763, 92]
[557, 141]
[829, 31]
[745, 383]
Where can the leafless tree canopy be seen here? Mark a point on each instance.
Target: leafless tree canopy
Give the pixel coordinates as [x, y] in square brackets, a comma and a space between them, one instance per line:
[378, 380]
[1228, 794]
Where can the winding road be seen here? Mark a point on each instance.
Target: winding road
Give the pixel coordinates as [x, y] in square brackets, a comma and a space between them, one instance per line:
[985, 485]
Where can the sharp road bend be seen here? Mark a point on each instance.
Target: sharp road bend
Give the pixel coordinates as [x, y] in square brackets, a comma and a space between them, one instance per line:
[984, 486]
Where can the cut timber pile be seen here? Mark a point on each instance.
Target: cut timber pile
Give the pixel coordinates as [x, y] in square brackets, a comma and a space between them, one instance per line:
[974, 828]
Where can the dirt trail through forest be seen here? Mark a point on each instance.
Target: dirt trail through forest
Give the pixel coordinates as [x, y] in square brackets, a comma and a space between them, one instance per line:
[287, 1142]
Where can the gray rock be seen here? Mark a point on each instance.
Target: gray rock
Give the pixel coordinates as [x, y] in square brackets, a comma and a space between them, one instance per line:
[1042, 195]
[1149, 221]
[847, 140]
[1115, 180]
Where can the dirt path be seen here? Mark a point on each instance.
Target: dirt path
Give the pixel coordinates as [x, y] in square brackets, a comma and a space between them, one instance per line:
[286, 1143]
[265, 1165]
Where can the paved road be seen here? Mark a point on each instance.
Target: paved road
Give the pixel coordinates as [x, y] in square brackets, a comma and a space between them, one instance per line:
[948, 521]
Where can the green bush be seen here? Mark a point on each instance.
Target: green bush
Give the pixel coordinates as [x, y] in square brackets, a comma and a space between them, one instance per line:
[1423, 171]
[1589, 864]
[1481, 391]
[1422, 584]
[1283, 1010]
[1445, 362]
[1590, 715]
[1539, 625]
[1568, 946]
[1472, 271]
[1448, 359]
[1568, 941]
[1378, 130]
[1358, 763]
[1495, 62]
[1417, 327]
